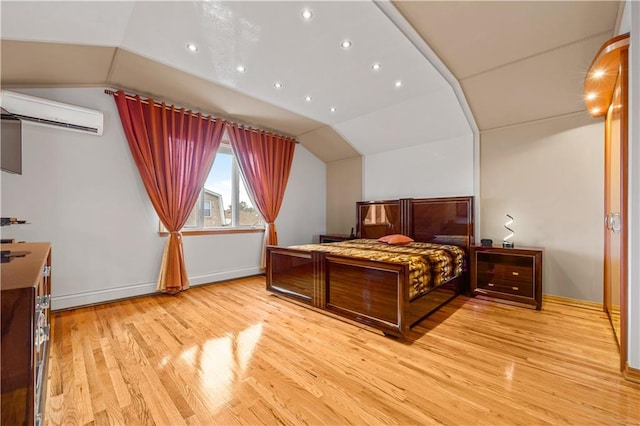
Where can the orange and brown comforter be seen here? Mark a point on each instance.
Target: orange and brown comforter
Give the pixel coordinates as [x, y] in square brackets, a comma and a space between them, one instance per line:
[429, 264]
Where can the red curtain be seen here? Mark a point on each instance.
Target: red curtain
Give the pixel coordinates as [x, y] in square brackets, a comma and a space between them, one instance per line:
[265, 160]
[174, 150]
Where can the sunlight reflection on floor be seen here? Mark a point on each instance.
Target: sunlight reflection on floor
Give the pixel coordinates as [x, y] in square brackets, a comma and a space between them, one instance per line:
[223, 361]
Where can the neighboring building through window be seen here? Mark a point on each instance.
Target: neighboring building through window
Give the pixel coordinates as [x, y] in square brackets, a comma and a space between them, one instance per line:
[224, 201]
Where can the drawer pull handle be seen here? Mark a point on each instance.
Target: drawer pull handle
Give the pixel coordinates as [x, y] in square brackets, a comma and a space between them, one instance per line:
[491, 284]
[514, 288]
[515, 273]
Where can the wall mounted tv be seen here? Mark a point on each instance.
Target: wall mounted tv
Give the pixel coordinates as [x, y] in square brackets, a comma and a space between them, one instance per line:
[10, 143]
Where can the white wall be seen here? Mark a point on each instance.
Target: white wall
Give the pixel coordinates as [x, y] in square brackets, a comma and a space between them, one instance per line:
[549, 177]
[632, 15]
[303, 214]
[435, 169]
[84, 195]
[344, 189]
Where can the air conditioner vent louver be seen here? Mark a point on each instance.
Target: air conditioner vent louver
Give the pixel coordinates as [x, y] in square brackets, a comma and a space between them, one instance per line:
[50, 113]
[57, 123]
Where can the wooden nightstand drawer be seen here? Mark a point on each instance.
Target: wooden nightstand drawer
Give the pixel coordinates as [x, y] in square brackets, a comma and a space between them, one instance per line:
[517, 289]
[513, 275]
[509, 271]
[522, 281]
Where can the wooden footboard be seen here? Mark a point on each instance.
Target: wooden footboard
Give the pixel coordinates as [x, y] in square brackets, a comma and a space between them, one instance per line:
[372, 293]
[369, 292]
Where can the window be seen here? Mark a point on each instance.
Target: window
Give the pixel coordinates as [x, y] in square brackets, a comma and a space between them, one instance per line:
[224, 201]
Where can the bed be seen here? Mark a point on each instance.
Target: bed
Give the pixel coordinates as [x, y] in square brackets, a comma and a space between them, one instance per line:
[379, 284]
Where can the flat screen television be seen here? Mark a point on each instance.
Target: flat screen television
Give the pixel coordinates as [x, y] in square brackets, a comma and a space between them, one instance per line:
[10, 144]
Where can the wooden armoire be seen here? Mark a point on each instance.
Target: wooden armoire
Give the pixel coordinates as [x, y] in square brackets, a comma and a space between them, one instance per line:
[606, 95]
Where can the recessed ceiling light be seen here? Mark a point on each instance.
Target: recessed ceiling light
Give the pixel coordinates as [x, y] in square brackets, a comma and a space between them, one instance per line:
[308, 98]
[277, 85]
[376, 66]
[346, 44]
[192, 47]
[241, 68]
[307, 14]
[332, 109]
[591, 96]
[398, 83]
[598, 73]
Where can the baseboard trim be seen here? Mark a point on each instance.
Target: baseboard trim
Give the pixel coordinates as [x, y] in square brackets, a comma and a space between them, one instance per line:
[76, 300]
[224, 276]
[573, 302]
[631, 374]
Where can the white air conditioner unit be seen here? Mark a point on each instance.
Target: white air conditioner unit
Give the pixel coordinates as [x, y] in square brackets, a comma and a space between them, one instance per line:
[52, 113]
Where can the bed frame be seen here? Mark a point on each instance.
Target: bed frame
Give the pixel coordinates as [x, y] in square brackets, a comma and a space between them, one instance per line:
[376, 293]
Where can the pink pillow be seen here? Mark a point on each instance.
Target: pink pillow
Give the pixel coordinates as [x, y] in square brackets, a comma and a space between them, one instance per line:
[396, 239]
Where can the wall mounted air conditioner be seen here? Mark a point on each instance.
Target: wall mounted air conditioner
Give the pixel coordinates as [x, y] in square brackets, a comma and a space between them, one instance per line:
[52, 113]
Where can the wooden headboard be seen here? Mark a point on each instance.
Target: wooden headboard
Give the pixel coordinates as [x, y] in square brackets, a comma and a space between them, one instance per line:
[445, 220]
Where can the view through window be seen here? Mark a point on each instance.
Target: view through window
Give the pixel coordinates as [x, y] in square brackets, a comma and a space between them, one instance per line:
[224, 201]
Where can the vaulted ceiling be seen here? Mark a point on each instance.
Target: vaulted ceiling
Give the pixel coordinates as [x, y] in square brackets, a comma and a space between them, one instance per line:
[515, 62]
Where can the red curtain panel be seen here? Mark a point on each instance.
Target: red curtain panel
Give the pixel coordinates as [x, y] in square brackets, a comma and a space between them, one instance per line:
[265, 161]
[173, 150]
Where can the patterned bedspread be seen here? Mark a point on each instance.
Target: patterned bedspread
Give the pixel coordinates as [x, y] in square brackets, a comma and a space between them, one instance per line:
[429, 264]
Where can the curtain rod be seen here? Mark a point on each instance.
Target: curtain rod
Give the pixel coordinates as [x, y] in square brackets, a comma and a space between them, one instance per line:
[249, 127]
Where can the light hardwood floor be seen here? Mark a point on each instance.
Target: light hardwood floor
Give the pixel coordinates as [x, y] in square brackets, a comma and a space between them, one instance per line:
[233, 354]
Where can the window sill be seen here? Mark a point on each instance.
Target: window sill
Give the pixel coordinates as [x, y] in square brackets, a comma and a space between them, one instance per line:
[215, 231]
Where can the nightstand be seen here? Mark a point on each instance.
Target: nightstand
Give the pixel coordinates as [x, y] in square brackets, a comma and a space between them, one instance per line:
[334, 238]
[513, 275]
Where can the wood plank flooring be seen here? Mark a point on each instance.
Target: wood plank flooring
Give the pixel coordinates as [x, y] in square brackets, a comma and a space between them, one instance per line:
[232, 353]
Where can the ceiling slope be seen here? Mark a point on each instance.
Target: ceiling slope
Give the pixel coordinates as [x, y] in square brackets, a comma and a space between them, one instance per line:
[516, 61]
[28, 64]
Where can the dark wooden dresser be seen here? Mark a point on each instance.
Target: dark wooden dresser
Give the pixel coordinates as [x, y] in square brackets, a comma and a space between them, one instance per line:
[508, 274]
[26, 297]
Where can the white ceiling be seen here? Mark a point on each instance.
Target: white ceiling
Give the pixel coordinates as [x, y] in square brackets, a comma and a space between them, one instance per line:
[516, 61]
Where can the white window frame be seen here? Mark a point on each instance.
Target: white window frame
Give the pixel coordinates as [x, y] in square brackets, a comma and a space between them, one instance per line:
[236, 181]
